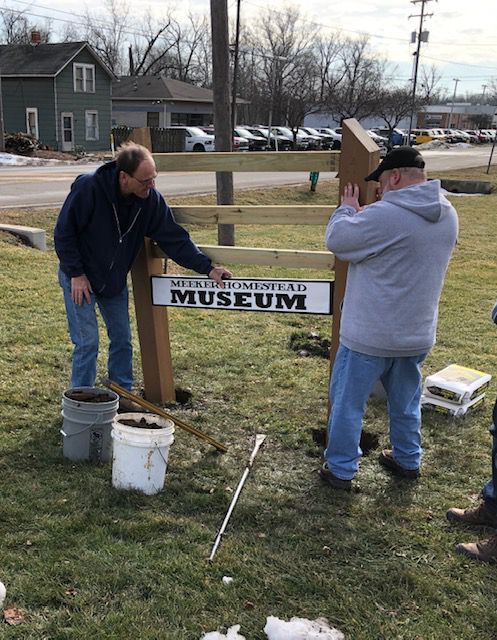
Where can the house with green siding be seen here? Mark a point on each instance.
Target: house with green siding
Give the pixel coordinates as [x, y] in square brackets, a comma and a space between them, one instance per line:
[59, 93]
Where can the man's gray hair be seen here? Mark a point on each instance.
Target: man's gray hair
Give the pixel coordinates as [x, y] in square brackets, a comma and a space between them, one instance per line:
[415, 173]
[130, 155]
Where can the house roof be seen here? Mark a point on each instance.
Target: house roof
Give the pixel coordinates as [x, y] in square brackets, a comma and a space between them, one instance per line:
[160, 88]
[42, 59]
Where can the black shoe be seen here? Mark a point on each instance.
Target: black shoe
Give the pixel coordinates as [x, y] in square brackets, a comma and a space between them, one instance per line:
[387, 460]
[337, 483]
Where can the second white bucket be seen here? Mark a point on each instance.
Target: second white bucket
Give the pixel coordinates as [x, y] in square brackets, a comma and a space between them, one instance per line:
[140, 453]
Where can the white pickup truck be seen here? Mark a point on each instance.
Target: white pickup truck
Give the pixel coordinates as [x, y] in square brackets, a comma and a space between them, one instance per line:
[196, 139]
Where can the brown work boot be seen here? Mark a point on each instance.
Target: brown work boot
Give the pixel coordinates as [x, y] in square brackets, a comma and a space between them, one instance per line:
[475, 516]
[128, 406]
[387, 460]
[483, 551]
[337, 483]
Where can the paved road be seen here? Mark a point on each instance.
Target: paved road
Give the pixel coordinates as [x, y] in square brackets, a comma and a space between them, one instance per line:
[48, 186]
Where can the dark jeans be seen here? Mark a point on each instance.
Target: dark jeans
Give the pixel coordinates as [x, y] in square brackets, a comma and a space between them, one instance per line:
[489, 491]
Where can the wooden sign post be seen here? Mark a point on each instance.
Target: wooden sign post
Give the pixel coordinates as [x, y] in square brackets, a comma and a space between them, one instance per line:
[359, 156]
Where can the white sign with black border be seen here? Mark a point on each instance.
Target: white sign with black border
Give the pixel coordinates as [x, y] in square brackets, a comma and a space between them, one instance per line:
[242, 294]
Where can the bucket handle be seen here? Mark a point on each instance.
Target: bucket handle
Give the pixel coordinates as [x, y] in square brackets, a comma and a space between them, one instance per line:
[85, 428]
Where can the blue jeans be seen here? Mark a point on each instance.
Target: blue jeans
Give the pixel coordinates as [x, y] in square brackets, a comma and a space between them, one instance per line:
[354, 375]
[489, 491]
[83, 329]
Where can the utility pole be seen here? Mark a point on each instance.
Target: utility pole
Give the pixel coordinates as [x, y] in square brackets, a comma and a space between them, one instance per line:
[484, 87]
[222, 114]
[2, 136]
[235, 67]
[422, 36]
[449, 124]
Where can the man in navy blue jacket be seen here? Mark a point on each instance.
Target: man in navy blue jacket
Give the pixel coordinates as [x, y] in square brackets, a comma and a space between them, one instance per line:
[98, 234]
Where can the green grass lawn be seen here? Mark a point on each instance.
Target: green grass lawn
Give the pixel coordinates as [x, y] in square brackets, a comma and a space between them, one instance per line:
[83, 560]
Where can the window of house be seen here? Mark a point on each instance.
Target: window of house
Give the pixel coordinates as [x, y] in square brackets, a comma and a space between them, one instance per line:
[84, 78]
[152, 118]
[91, 120]
[32, 122]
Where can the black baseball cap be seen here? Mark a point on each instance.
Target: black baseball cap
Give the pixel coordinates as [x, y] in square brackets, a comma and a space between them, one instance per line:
[395, 159]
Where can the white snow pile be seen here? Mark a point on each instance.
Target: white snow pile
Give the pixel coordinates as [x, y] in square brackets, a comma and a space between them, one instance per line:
[440, 145]
[276, 629]
[301, 629]
[3, 593]
[232, 634]
[13, 160]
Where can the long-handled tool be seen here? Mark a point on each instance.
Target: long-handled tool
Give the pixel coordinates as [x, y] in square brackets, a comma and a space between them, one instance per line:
[160, 412]
[259, 439]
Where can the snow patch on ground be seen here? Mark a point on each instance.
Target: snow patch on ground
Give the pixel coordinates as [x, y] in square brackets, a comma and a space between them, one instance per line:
[12, 160]
[276, 629]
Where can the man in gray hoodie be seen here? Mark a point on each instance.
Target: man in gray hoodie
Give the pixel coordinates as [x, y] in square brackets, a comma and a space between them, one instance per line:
[398, 249]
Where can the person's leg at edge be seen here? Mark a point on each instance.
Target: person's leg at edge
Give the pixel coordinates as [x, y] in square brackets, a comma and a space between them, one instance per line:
[83, 330]
[402, 382]
[354, 375]
[489, 491]
[115, 313]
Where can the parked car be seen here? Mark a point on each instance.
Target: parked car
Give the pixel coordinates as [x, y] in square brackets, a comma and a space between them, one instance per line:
[473, 138]
[283, 143]
[255, 142]
[301, 143]
[196, 139]
[336, 137]
[239, 143]
[314, 140]
[454, 136]
[427, 135]
[381, 141]
[326, 140]
[397, 137]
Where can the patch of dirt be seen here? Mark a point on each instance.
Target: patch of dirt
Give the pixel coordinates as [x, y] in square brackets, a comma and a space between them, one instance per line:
[369, 441]
[88, 396]
[183, 396]
[140, 424]
[310, 344]
[46, 154]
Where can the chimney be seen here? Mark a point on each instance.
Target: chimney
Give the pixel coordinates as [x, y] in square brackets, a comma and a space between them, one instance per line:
[35, 38]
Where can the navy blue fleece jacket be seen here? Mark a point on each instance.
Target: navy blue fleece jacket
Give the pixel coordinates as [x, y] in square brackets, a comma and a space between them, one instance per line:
[99, 234]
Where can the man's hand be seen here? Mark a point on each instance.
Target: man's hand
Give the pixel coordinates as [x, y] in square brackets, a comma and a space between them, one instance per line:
[350, 196]
[80, 289]
[218, 274]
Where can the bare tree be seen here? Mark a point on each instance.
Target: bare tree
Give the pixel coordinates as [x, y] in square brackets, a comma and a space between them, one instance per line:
[359, 77]
[393, 105]
[15, 28]
[106, 33]
[430, 92]
[327, 56]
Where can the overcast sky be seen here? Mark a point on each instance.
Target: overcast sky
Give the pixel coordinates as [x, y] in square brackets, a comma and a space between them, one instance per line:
[462, 35]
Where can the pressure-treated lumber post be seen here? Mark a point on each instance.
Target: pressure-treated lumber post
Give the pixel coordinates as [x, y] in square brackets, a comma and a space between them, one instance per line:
[359, 156]
[153, 329]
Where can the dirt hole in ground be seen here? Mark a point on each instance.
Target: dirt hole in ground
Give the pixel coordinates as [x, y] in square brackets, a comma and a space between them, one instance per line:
[183, 396]
[310, 344]
[369, 441]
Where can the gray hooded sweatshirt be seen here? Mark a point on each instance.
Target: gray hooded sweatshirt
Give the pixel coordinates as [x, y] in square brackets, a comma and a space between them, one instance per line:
[398, 249]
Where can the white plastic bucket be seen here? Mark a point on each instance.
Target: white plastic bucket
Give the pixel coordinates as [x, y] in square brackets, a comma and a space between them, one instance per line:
[140, 455]
[86, 427]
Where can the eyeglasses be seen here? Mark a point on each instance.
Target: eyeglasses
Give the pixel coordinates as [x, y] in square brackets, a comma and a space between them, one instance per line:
[145, 182]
